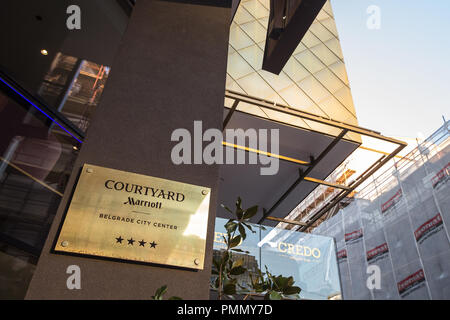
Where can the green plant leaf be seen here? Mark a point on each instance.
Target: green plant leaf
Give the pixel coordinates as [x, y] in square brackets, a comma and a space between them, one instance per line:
[242, 231]
[290, 281]
[237, 271]
[274, 295]
[249, 227]
[250, 212]
[291, 290]
[235, 241]
[239, 212]
[238, 203]
[229, 289]
[226, 208]
[159, 293]
[231, 226]
[239, 250]
[175, 298]
[281, 282]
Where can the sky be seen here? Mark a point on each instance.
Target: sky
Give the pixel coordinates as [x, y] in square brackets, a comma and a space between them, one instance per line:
[400, 73]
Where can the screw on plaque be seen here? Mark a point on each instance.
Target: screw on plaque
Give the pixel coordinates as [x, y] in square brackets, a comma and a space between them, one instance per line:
[64, 243]
[196, 262]
[204, 192]
[89, 170]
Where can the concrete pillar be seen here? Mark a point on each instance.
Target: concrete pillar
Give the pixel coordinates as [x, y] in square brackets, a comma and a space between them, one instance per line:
[170, 70]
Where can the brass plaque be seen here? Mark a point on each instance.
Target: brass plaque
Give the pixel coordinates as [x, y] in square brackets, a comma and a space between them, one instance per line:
[129, 216]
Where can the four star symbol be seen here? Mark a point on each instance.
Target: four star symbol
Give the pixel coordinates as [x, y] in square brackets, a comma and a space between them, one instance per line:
[131, 241]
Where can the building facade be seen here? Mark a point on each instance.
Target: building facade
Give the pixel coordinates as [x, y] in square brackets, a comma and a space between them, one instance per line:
[112, 92]
[314, 80]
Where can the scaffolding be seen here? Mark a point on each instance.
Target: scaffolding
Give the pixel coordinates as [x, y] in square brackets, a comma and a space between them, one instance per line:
[399, 221]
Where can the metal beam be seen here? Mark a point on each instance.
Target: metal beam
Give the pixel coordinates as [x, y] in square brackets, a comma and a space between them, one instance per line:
[381, 162]
[298, 223]
[346, 190]
[309, 116]
[268, 154]
[230, 113]
[326, 183]
[288, 159]
[303, 174]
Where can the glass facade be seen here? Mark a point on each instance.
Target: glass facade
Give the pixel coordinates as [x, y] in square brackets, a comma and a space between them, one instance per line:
[65, 69]
[52, 80]
[314, 79]
[36, 159]
[38, 147]
[74, 86]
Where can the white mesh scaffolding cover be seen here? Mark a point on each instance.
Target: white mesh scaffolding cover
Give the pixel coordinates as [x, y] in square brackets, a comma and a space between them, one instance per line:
[401, 225]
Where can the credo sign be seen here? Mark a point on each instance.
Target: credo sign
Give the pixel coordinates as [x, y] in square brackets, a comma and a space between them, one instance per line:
[299, 250]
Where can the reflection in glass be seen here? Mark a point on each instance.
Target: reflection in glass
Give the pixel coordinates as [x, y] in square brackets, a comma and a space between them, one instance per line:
[36, 159]
[310, 79]
[74, 86]
[309, 259]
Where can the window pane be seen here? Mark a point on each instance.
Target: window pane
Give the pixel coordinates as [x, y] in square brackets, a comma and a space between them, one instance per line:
[309, 61]
[66, 69]
[36, 159]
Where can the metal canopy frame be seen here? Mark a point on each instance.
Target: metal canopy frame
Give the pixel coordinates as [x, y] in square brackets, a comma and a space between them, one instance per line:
[310, 165]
